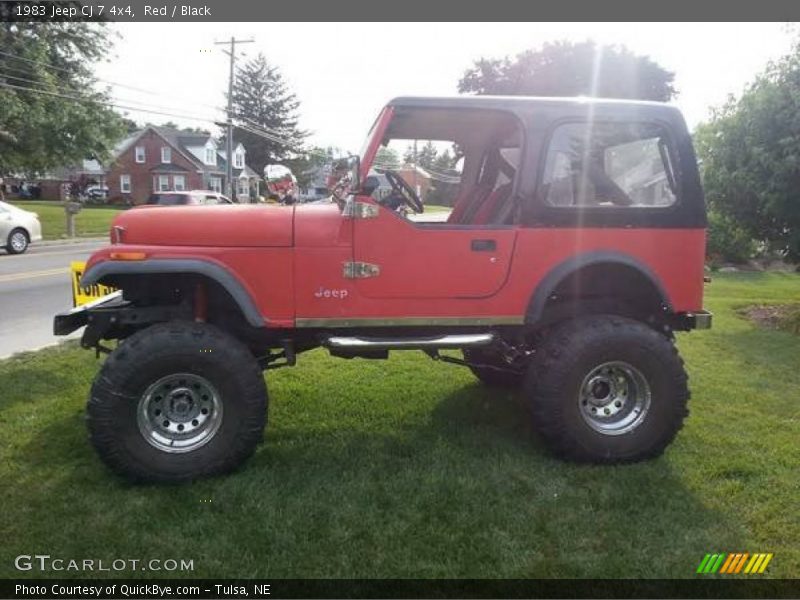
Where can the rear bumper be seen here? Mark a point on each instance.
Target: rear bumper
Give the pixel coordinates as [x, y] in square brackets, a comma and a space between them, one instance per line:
[66, 322]
[700, 319]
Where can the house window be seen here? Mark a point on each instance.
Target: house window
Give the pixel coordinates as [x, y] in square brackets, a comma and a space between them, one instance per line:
[179, 183]
[215, 183]
[125, 184]
[211, 156]
[243, 189]
[166, 154]
[238, 160]
[163, 183]
[140, 154]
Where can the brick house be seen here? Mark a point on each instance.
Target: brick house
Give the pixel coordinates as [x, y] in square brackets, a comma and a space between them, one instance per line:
[163, 159]
[418, 178]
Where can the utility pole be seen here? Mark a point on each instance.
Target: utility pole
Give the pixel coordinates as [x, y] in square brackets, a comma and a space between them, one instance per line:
[416, 185]
[229, 137]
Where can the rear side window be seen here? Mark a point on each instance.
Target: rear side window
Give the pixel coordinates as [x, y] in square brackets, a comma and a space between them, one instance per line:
[609, 165]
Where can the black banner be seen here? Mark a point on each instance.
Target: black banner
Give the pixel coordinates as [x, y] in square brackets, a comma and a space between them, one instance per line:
[190, 589]
[369, 10]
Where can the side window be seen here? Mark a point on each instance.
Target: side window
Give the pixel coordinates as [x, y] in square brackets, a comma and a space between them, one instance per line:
[609, 165]
[209, 199]
[432, 168]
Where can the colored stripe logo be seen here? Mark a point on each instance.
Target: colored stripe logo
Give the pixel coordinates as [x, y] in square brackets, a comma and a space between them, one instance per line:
[734, 563]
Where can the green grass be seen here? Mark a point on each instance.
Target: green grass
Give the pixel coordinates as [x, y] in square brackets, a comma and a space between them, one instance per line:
[409, 468]
[91, 221]
[435, 208]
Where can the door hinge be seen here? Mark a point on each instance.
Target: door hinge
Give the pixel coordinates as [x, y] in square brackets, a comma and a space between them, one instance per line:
[360, 270]
[360, 210]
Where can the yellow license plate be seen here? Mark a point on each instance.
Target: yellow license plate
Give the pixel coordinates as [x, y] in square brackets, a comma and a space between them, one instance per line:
[82, 295]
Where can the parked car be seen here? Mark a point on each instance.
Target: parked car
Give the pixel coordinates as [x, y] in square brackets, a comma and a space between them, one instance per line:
[18, 228]
[188, 198]
[96, 192]
[574, 254]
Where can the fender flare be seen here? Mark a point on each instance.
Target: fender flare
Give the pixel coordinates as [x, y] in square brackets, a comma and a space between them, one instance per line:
[181, 266]
[561, 271]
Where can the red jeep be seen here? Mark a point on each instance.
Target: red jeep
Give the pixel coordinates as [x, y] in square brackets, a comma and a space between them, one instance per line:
[573, 253]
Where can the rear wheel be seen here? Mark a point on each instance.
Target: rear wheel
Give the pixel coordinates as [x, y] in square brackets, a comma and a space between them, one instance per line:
[17, 241]
[492, 370]
[175, 402]
[607, 389]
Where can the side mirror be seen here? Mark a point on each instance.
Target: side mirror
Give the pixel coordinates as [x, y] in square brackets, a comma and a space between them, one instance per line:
[351, 167]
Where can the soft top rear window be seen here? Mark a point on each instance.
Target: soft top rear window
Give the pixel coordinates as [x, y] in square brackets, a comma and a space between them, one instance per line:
[609, 165]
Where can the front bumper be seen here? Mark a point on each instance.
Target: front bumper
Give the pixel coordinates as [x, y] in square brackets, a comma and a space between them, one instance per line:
[66, 322]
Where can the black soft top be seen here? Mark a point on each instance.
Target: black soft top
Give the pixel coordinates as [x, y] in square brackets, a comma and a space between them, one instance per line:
[552, 107]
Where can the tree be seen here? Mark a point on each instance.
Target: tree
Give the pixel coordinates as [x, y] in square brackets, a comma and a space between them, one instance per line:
[43, 63]
[571, 69]
[427, 155]
[261, 99]
[306, 166]
[750, 156]
[424, 156]
[443, 163]
[388, 158]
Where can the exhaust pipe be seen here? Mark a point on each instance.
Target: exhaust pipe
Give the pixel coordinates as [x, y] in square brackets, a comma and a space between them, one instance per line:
[465, 340]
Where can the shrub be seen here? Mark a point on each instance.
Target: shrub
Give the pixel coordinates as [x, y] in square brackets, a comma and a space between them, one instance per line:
[728, 241]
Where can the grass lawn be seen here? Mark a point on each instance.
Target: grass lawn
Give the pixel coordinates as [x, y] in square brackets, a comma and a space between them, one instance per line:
[91, 221]
[435, 208]
[411, 469]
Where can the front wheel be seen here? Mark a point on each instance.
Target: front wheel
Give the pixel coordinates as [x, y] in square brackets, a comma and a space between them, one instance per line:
[17, 241]
[607, 389]
[176, 402]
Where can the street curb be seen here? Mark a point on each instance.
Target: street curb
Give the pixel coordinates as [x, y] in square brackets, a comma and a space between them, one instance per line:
[78, 240]
[17, 354]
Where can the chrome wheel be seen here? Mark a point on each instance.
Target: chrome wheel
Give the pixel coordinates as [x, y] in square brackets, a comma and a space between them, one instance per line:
[179, 413]
[614, 398]
[18, 241]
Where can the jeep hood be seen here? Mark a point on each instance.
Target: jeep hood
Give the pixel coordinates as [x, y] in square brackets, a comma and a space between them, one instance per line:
[220, 225]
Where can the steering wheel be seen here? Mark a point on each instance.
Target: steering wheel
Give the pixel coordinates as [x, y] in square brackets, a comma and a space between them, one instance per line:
[406, 192]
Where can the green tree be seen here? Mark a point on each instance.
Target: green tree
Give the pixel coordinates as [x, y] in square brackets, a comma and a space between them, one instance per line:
[426, 157]
[388, 158]
[571, 69]
[41, 64]
[261, 99]
[750, 156]
[410, 155]
[306, 166]
[444, 163]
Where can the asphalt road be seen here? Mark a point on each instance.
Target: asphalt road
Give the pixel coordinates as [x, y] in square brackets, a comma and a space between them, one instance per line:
[33, 287]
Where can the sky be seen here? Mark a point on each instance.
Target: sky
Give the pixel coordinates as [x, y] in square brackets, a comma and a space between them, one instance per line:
[343, 73]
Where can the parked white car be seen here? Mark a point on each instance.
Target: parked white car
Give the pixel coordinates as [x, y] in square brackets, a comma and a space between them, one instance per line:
[18, 228]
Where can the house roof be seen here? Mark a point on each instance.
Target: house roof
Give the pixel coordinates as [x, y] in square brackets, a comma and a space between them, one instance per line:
[182, 141]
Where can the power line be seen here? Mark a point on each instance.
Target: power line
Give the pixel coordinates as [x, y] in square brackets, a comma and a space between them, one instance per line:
[100, 79]
[145, 106]
[105, 102]
[62, 69]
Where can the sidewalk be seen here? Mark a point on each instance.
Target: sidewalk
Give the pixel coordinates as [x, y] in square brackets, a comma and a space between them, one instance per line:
[75, 240]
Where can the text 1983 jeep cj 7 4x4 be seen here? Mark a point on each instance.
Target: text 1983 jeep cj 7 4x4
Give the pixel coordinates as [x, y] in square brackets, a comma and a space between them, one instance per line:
[574, 251]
